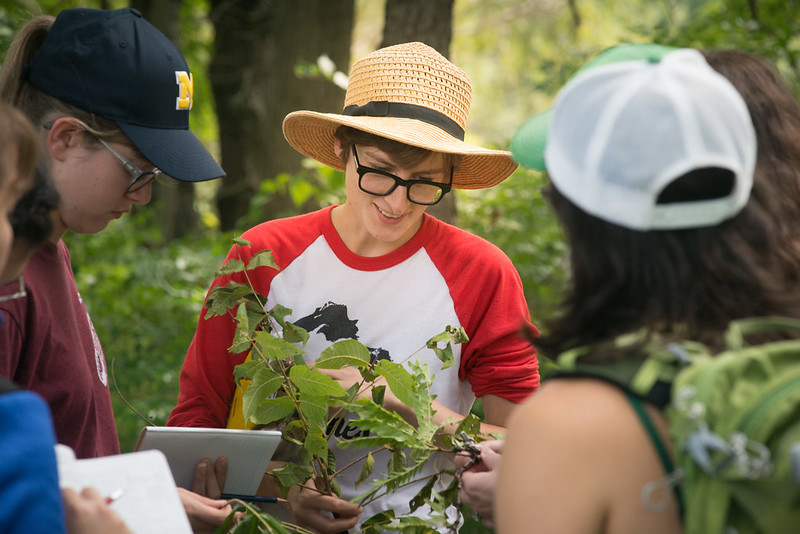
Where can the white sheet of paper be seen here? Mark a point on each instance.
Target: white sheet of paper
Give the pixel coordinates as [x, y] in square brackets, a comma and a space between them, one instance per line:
[149, 503]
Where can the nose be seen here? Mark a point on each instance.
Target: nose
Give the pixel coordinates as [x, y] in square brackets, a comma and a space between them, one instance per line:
[398, 199]
[140, 196]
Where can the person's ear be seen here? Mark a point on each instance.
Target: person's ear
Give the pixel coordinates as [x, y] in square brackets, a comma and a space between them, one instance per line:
[63, 135]
[339, 151]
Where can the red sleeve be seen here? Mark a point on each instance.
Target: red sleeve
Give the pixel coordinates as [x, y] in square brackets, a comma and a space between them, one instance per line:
[206, 379]
[490, 303]
[206, 385]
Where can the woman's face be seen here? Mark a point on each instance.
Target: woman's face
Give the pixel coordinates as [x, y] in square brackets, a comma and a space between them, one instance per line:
[91, 180]
[374, 225]
[12, 188]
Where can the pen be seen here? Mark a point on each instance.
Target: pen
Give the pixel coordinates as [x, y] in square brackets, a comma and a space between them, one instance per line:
[252, 498]
[114, 495]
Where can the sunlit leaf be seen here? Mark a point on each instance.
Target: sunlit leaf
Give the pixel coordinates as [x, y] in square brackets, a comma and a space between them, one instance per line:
[270, 347]
[262, 259]
[344, 352]
[231, 266]
[312, 382]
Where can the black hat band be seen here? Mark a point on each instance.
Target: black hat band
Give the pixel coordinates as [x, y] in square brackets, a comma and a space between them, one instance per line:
[402, 110]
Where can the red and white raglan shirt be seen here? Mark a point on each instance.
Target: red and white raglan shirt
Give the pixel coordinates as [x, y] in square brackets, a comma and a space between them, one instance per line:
[392, 304]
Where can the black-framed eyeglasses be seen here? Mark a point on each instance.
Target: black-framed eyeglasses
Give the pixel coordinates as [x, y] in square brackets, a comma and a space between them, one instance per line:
[381, 184]
[139, 178]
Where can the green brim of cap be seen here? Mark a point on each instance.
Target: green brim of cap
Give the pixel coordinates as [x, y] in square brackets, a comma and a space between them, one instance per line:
[528, 144]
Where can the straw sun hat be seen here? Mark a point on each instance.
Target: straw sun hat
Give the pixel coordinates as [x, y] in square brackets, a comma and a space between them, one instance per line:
[408, 93]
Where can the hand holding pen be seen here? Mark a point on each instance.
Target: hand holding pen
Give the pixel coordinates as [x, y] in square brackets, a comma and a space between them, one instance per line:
[88, 512]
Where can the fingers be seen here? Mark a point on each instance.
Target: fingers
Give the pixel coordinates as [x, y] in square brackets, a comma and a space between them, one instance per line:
[325, 514]
[87, 512]
[205, 514]
[209, 477]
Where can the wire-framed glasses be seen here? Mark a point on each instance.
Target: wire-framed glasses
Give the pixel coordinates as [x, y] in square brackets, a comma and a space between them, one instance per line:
[18, 294]
[381, 184]
[139, 178]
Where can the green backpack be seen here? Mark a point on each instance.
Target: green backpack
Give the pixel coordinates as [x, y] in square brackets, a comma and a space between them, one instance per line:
[734, 422]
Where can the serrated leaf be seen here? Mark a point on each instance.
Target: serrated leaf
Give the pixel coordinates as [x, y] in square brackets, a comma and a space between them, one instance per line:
[312, 382]
[262, 259]
[231, 266]
[271, 410]
[344, 352]
[366, 469]
[223, 298]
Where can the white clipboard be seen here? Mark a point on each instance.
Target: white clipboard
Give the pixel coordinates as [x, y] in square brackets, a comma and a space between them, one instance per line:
[248, 452]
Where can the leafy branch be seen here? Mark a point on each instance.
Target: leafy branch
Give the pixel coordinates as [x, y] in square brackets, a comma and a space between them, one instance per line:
[285, 391]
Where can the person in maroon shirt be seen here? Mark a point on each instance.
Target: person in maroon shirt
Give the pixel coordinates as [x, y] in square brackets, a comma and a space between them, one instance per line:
[109, 96]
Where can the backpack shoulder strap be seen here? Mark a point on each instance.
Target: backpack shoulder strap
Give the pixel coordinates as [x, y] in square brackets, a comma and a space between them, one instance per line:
[658, 444]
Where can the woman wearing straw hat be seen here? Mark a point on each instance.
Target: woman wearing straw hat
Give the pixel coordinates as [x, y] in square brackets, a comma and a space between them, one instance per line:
[380, 270]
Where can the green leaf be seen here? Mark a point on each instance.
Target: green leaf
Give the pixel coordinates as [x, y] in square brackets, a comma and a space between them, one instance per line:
[422, 495]
[378, 394]
[400, 381]
[315, 410]
[450, 335]
[241, 241]
[279, 313]
[295, 334]
[366, 469]
[344, 352]
[224, 298]
[262, 259]
[312, 382]
[316, 443]
[291, 474]
[230, 267]
[271, 410]
[383, 518]
[270, 347]
[445, 355]
[245, 371]
[265, 382]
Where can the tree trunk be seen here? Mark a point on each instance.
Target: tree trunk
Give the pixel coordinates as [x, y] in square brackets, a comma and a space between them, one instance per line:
[258, 47]
[175, 204]
[430, 22]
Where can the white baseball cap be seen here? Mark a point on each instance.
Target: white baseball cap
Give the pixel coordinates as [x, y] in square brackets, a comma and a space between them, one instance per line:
[621, 132]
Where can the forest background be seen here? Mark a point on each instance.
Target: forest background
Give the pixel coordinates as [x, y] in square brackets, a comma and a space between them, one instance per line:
[145, 277]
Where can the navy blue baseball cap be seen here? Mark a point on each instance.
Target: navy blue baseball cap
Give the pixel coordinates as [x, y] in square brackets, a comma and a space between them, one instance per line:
[118, 66]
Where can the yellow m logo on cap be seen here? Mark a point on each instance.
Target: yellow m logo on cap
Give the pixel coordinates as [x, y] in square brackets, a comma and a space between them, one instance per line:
[186, 92]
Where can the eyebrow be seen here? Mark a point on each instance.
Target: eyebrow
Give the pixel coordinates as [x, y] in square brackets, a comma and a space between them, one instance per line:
[387, 165]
